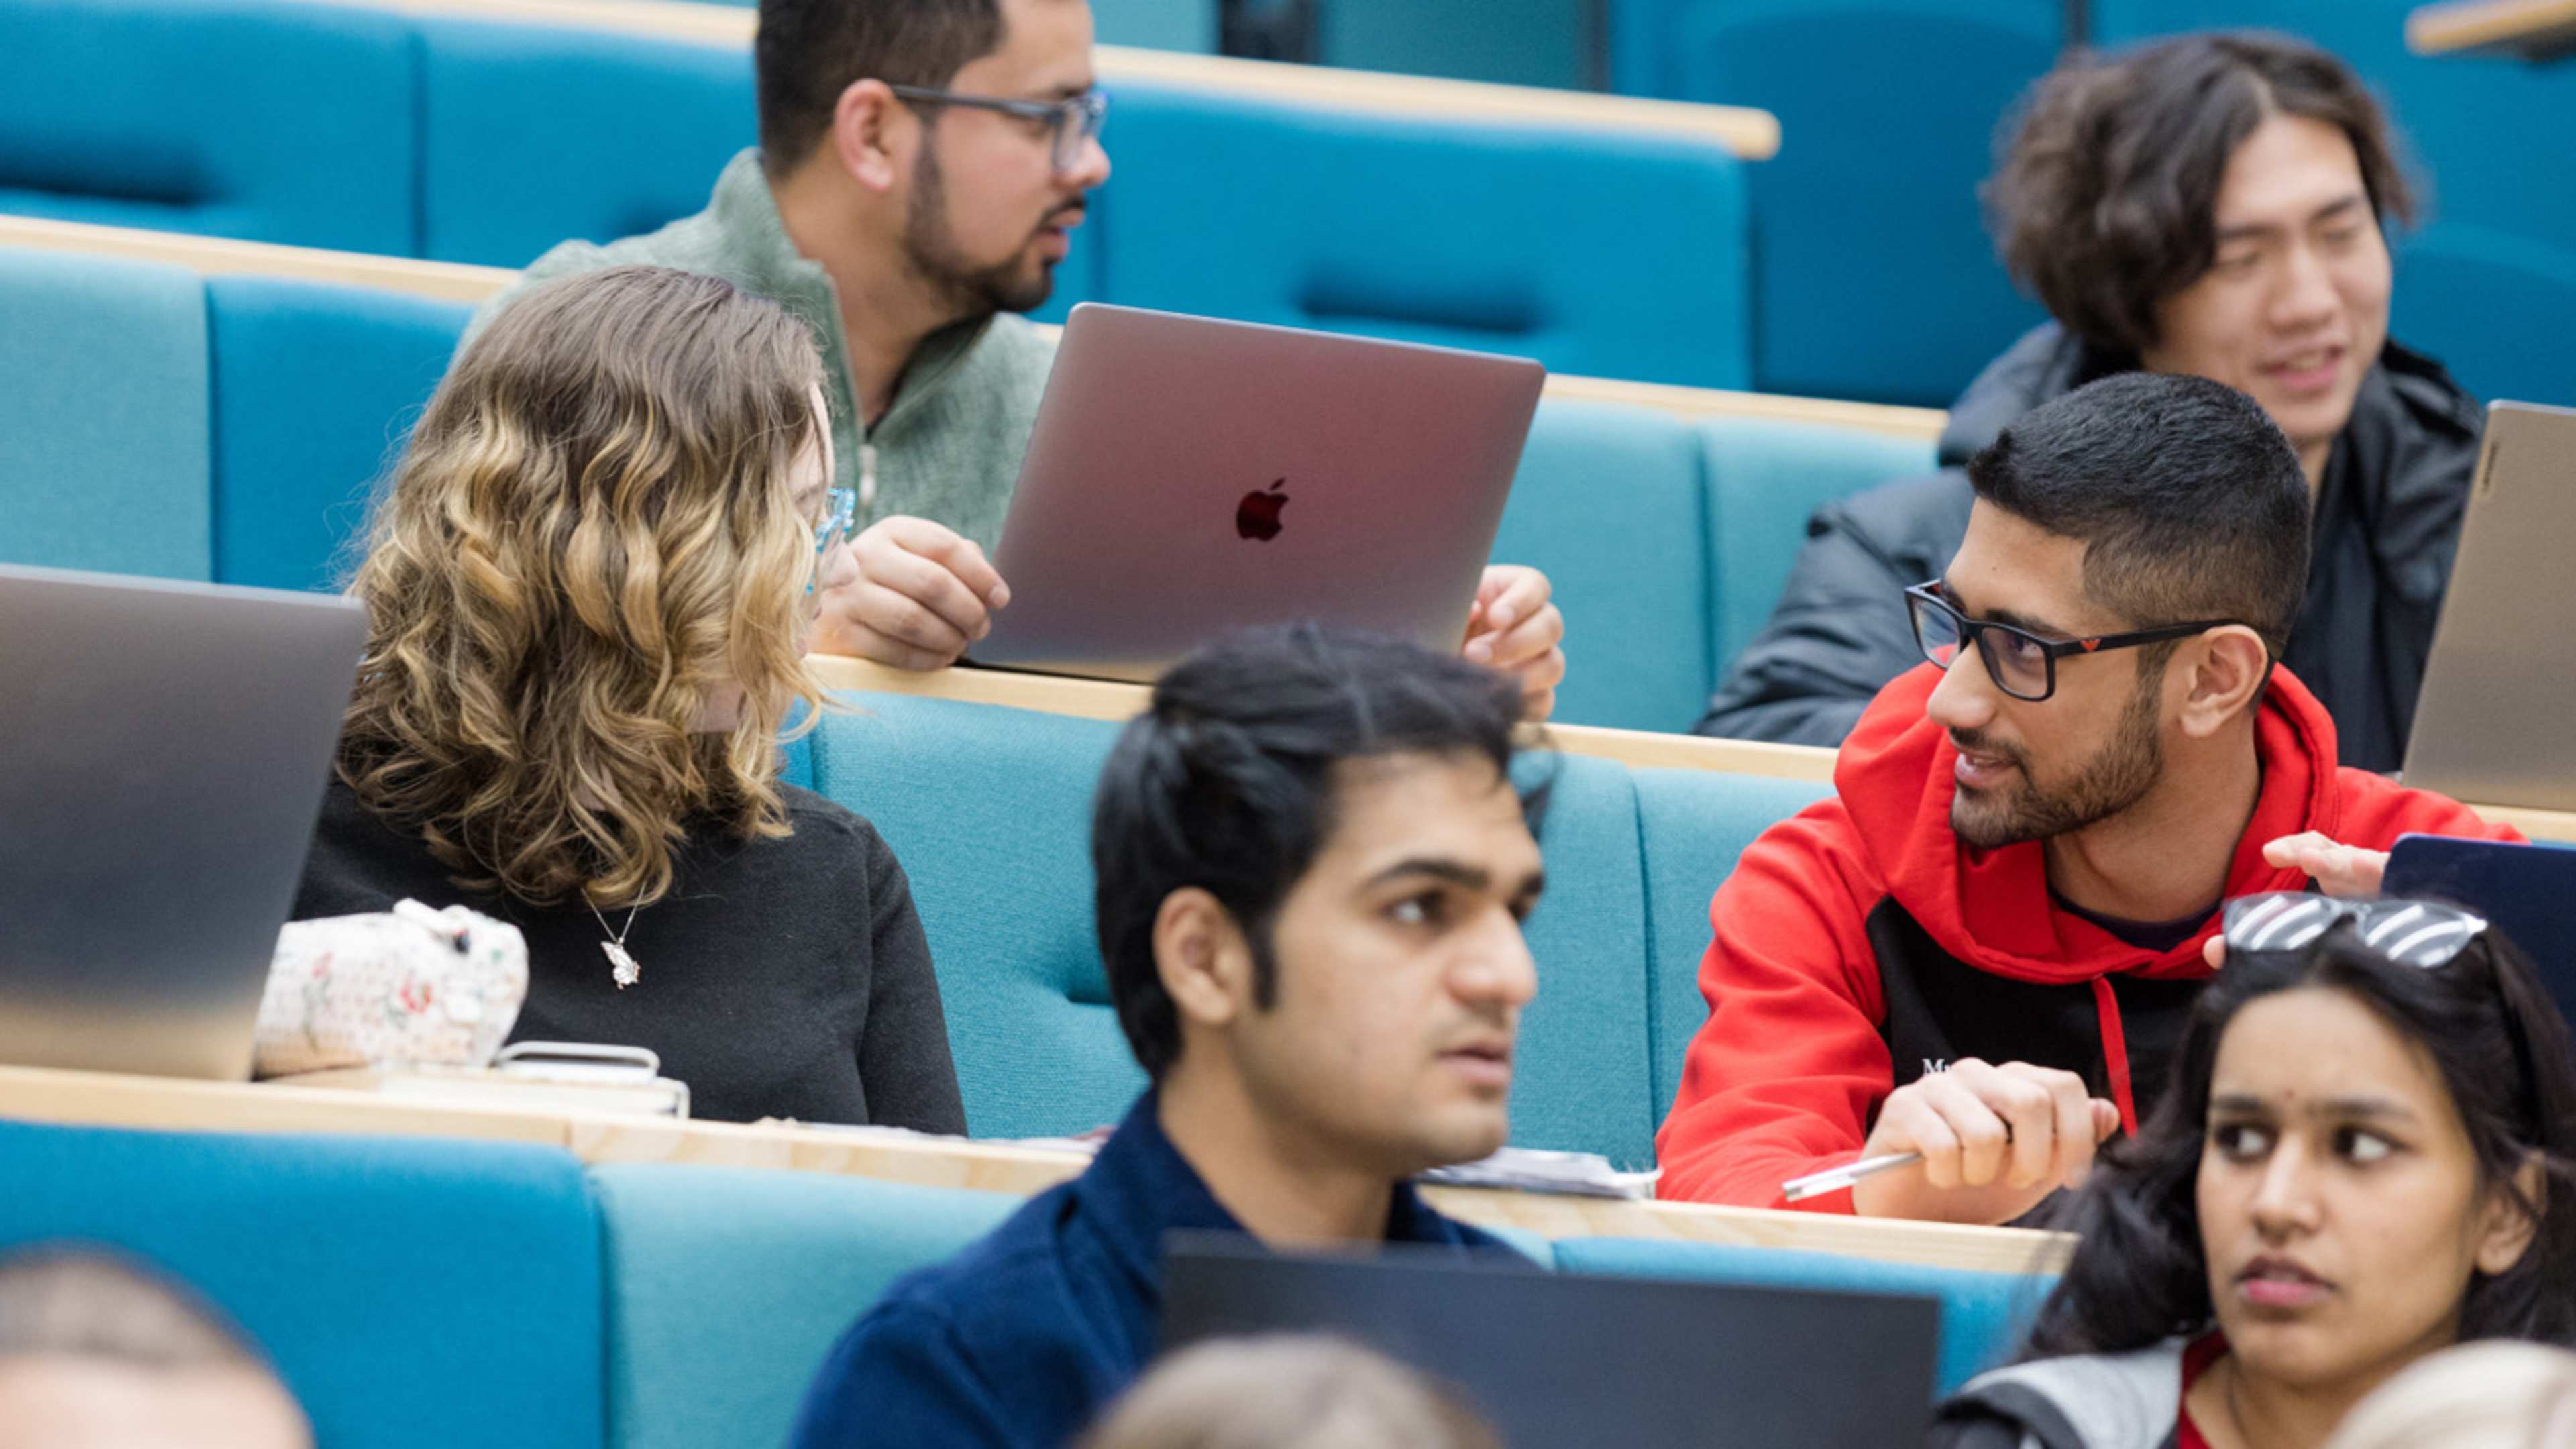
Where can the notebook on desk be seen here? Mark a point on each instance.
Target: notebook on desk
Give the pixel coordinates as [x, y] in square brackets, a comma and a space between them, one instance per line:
[166, 747]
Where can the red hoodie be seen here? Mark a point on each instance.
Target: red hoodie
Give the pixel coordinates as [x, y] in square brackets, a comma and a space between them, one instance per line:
[1858, 946]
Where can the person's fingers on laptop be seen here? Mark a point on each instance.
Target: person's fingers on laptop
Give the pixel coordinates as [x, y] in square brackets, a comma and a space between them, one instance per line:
[900, 618]
[2338, 870]
[922, 562]
[960, 556]
[2214, 951]
[1506, 595]
[841, 630]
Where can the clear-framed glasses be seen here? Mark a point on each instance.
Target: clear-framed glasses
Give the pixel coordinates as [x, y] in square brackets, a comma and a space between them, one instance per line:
[2021, 663]
[840, 510]
[1071, 123]
[2412, 933]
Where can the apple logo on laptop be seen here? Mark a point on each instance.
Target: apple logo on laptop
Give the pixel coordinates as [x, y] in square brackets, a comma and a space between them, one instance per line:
[1257, 517]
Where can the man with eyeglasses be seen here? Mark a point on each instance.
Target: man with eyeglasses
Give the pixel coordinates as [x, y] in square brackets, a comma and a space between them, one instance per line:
[922, 166]
[1980, 950]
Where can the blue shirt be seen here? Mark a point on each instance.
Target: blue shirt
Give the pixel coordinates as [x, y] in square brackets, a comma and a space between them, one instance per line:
[1024, 1337]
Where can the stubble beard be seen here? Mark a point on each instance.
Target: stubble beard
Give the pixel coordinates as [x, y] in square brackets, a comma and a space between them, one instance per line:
[2117, 777]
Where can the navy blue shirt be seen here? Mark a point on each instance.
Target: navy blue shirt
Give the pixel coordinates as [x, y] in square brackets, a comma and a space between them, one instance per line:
[1023, 1338]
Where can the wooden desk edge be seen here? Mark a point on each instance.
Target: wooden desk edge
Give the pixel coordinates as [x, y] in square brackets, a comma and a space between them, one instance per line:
[2463, 27]
[1748, 133]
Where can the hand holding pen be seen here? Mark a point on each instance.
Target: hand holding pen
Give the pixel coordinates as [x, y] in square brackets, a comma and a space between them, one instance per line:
[1976, 1143]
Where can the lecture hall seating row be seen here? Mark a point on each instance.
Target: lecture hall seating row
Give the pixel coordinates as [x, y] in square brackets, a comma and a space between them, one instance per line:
[1873, 273]
[230, 427]
[1601, 235]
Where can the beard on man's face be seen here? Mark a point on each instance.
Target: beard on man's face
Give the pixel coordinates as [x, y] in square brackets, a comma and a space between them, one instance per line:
[1020, 283]
[2118, 776]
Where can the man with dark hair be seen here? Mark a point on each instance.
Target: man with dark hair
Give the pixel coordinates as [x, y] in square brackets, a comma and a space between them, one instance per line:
[2211, 205]
[1982, 947]
[1312, 871]
[95, 1354]
[922, 164]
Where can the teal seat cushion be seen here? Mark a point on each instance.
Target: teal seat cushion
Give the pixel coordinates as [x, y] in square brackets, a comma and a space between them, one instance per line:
[726, 1288]
[239, 118]
[1983, 1315]
[1765, 476]
[1692, 825]
[414, 1293]
[1521, 240]
[315, 388]
[1609, 502]
[989, 810]
[103, 415]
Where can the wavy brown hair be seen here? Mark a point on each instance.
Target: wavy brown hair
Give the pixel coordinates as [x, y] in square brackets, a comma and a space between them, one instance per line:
[589, 539]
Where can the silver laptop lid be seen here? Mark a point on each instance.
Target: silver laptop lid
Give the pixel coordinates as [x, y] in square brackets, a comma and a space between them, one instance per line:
[1189, 476]
[2492, 725]
[165, 749]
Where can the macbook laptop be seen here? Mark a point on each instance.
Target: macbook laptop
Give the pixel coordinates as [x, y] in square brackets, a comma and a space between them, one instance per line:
[2527, 891]
[2492, 723]
[165, 749]
[1560, 1360]
[1188, 477]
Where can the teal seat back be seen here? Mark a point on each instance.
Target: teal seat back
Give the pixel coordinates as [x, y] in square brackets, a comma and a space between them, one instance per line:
[414, 1293]
[1692, 824]
[727, 1287]
[1499, 238]
[103, 415]
[315, 389]
[1983, 1315]
[1765, 476]
[1609, 502]
[240, 118]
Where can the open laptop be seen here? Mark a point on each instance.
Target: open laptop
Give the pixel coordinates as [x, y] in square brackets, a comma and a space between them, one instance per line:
[1559, 1360]
[2526, 891]
[165, 749]
[1188, 477]
[2492, 723]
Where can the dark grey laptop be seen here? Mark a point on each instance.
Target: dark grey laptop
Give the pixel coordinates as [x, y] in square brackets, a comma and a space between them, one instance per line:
[2492, 723]
[163, 748]
[1560, 1360]
[1187, 477]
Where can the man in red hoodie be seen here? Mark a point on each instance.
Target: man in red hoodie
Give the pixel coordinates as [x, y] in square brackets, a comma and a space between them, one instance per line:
[1981, 949]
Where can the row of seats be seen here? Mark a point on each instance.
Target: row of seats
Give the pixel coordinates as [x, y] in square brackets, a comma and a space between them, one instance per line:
[229, 428]
[424, 1294]
[476, 141]
[1873, 275]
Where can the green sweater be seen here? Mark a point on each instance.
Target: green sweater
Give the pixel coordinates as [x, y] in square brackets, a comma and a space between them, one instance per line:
[948, 449]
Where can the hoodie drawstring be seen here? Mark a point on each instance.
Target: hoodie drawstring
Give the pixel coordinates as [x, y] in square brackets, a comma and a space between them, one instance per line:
[2115, 1052]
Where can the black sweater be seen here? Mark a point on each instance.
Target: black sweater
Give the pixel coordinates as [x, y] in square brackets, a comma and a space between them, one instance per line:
[781, 978]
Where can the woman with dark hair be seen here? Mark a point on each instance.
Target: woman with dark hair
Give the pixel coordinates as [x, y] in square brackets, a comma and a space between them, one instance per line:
[2364, 1157]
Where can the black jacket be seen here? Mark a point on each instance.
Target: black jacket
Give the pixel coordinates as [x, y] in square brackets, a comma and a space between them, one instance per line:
[2387, 524]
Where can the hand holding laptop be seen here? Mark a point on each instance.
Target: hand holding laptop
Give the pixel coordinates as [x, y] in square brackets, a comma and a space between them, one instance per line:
[1514, 628]
[908, 593]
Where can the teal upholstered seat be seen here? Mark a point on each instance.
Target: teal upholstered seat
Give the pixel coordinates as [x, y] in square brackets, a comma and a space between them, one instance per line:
[242, 118]
[1692, 824]
[1609, 501]
[726, 1287]
[315, 388]
[1983, 1315]
[414, 1293]
[1505, 239]
[103, 422]
[1765, 476]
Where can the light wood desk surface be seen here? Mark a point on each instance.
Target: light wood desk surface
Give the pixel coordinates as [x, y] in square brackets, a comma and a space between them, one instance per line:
[2533, 29]
[1753, 135]
[457, 282]
[162, 1104]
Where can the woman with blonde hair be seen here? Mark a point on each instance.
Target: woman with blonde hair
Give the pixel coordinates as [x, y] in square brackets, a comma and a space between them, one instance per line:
[588, 588]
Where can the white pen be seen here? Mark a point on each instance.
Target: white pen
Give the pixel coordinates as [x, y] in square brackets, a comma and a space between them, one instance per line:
[1835, 1179]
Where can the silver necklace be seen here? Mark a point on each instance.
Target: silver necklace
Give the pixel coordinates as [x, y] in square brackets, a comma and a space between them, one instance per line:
[622, 967]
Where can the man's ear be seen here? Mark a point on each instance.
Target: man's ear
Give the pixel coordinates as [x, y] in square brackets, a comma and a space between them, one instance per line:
[2506, 1230]
[867, 125]
[2224, 670]
[1203, 959]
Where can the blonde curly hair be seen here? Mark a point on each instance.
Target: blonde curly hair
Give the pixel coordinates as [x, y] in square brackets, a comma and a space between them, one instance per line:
[589, 546]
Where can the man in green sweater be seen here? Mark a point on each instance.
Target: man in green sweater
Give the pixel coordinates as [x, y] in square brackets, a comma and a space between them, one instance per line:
[921, 166]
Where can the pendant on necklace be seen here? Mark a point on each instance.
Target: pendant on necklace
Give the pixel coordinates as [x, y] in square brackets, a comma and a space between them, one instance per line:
[626, 973]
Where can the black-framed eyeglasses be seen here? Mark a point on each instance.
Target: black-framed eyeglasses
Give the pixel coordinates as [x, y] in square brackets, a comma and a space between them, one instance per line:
[2411, 933]
[2021, 663]
[1071, 122]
